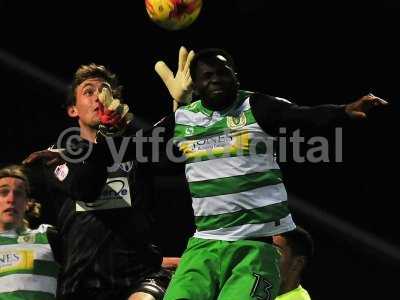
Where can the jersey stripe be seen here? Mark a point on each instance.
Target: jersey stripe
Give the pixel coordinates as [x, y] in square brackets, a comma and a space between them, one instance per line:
[221, 204]
[28, 282]
[235, 184]
[264, 214]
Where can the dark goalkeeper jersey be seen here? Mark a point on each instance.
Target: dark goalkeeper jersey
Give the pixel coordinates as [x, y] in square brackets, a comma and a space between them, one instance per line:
[103, 221]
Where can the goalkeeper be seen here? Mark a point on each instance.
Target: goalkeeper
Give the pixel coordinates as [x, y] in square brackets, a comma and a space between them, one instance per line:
[105, 246]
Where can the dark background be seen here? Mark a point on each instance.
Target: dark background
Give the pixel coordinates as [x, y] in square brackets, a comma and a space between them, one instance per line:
[311, 52]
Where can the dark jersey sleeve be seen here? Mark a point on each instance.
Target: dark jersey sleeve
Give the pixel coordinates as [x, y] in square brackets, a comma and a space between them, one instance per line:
[153, 145]
[273, 113]
[170, 161]
[84, 181]
[77, 179]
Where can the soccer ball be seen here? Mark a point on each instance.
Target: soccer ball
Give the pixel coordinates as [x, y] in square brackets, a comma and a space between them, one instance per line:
[173, 14]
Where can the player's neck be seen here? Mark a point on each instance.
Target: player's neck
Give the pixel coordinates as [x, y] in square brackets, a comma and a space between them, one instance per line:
[289, 285]
[7, 227]
[88, 133]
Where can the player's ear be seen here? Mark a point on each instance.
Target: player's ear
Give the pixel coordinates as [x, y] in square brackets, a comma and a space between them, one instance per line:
[72, 111]
[299, 263]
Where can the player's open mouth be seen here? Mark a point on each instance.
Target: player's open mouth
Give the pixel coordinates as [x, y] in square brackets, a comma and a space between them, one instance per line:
[11, 210]
[216, 91]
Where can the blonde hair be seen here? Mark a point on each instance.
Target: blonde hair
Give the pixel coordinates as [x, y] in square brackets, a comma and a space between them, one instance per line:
[16, 171]
[33, 208]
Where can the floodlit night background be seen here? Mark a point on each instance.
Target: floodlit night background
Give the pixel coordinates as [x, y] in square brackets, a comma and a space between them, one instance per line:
[310, 52]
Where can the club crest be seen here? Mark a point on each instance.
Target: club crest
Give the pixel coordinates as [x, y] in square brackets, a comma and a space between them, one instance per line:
[235, 122]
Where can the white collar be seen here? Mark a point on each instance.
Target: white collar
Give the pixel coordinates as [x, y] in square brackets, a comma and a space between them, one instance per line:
[9, 233]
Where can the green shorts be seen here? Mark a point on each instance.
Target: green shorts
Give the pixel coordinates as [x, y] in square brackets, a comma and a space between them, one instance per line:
[214, 269]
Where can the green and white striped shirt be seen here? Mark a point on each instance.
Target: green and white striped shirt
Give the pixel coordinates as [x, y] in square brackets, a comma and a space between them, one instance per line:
[235, 183]
[27, 266]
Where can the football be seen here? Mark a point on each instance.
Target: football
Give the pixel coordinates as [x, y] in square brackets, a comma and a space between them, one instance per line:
[173, 14]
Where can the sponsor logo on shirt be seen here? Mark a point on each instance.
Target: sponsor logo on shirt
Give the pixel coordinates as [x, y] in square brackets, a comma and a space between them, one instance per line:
[225, 144]
[126, 166]
[189, 131]
[15, 260]
[210, 143]
[61, 172]
[115, 194]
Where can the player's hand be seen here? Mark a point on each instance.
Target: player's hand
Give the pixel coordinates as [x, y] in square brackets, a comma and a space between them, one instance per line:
[180, 84]
[113, 114]
[50, 157]
[358, 109]
[170, 263]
